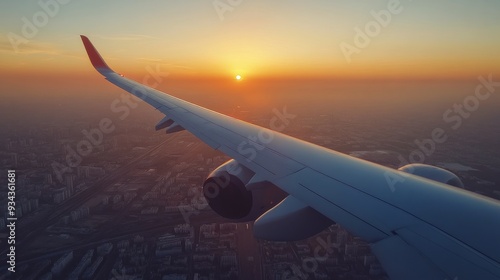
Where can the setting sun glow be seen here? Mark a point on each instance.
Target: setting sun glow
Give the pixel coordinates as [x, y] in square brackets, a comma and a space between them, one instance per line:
[282, 42]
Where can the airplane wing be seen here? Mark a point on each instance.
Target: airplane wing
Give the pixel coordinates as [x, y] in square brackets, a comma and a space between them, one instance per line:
[418, 228]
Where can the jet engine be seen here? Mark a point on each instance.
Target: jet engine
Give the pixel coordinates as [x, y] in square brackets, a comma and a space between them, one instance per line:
[233, 193]
[434, 173]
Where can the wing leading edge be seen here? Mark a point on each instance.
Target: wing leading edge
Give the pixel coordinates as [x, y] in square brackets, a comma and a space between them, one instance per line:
[421, 229]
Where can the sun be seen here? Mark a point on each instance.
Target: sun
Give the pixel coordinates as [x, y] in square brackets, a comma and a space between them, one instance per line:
[238, 77]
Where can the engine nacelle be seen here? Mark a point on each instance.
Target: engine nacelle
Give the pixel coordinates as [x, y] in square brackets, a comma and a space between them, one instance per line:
[434, 173]
[231, 194]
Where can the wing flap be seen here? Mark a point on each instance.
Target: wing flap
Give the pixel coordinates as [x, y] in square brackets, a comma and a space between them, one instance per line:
[450, 255]
[401, 261]
[294, 185]
[314, 186]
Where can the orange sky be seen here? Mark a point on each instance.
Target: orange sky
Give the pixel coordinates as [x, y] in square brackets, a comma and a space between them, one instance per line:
[449, 40]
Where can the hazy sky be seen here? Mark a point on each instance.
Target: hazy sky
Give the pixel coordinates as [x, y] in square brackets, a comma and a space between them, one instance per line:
[254, 38]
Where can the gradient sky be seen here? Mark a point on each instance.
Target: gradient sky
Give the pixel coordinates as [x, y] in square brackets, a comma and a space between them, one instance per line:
[448, 39]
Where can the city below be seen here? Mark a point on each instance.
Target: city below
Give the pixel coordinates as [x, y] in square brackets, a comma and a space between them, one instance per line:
[130, 206]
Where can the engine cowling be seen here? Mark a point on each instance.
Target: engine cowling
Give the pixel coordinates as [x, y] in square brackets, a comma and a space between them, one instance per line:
[231, 193]
[434, 173]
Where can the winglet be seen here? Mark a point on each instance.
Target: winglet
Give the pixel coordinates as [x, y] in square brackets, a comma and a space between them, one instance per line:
[96, 59]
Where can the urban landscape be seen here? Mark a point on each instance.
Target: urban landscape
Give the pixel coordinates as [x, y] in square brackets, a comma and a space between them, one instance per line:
[133, 208]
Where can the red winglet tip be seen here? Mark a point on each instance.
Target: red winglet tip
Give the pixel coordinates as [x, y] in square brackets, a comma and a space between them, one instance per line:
[95, 58]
